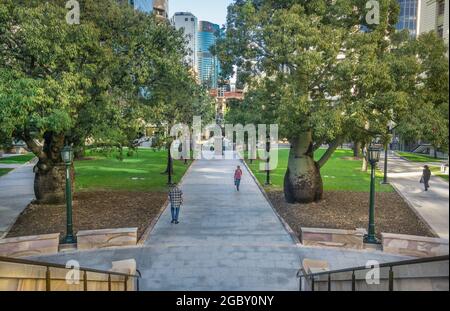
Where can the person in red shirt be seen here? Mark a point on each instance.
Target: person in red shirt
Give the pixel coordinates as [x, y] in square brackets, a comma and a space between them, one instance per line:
[237, 177]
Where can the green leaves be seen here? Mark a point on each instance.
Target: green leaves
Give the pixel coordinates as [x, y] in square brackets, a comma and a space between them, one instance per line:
[86, 81]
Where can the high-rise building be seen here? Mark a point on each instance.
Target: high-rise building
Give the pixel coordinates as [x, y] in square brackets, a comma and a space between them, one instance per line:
[159, 7]
[189, 23]
[434, 17]
[420, 16]
[408, 16]
[208, 64]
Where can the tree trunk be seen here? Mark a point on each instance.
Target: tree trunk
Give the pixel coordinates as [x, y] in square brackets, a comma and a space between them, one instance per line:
[302, 182]
[49, 180]
[357, 149]
[365, 163]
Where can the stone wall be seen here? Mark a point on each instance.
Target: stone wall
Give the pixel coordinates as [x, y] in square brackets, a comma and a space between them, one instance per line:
[352, 239]
[415, 246]
[25, 277]
[108, 238]
[36, 245]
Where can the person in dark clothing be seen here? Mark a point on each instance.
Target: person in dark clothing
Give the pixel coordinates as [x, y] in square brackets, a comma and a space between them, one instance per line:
[176, 200]
[426, 177]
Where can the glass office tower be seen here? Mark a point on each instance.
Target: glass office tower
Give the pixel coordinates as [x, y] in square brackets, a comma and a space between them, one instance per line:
[408, 16]
[208, 65]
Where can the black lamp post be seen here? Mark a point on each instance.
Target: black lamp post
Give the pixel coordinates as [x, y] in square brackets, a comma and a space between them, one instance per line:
[268, 161]
[386, 154]
[67, 157]
[373, 157]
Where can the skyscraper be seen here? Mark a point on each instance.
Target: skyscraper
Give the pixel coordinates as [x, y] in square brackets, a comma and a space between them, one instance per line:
[420, 16]
[189, 23]
[408, 16]
[159, 7]
[434, 17]
[208, 64]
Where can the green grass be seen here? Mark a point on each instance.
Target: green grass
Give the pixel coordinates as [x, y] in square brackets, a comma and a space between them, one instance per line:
[140, 172]
[338, 174]
[4, 171]
[437, 172]
[421, 158]
[20, 159]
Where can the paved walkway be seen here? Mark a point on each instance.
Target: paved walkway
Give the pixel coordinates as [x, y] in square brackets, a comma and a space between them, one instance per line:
[16, 192]
[225, 241]
[431, 206]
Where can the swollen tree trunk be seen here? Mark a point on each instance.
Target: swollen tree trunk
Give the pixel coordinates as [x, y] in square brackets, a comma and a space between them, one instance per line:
[302, 182]
[49, 180]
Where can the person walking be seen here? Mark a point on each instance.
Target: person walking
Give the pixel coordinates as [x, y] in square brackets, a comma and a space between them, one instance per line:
[426, 176]
[176, 200]
[237, 177]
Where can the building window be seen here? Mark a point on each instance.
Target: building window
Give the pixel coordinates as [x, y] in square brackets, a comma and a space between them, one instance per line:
[408, 16]
[441, 7]
[186, 19]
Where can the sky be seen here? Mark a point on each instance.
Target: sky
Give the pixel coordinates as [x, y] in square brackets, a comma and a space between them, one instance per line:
[214, 11]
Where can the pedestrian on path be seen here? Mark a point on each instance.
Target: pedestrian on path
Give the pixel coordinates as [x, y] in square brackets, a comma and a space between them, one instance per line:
[176, 200]
[426, 176]
[237, 177]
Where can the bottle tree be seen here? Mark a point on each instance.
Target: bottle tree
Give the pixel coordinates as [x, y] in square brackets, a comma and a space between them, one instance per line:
[337, 66]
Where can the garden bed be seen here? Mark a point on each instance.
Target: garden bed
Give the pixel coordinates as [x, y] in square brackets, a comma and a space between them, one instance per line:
[350, 210]
[92, 211]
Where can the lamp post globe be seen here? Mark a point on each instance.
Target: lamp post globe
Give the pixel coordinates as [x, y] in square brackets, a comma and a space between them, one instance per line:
[67, 157]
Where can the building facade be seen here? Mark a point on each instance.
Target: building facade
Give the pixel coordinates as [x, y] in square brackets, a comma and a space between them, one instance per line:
[421, 16]
[208, 64]
[433, 16]
[189, 23]
[408, 18]
[158, 7]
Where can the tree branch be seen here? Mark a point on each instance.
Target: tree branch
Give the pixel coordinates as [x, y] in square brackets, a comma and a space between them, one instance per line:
[324, 159]
[34, 146]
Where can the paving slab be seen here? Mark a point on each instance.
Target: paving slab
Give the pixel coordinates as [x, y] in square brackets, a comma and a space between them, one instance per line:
[16, 192]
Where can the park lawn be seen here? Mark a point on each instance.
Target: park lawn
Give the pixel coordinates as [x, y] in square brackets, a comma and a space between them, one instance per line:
[341, 173]
[421, 158]
[4, 171]
[437, 172]
[20, 159]
[140, 172]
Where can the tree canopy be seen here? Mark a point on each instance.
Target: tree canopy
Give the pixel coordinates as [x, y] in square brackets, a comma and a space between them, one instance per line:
[101, 80]
[328, 72]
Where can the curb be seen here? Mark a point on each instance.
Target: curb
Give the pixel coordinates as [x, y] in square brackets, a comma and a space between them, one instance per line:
[286, 226]
[145, 236]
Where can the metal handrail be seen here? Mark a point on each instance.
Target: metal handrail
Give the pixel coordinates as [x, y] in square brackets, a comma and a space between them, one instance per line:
[84, 270]
[301, 274]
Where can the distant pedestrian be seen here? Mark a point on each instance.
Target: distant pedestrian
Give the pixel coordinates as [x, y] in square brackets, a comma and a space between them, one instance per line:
[176, 200]
[426, 176]
[237, 177]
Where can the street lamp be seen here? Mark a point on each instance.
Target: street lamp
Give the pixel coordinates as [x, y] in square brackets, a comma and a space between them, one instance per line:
[373, 157]
[386, 153]
[268, 161]
[67, 157]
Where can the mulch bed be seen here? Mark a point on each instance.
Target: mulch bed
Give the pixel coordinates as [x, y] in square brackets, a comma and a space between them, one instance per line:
[350, 210]
[92, 211]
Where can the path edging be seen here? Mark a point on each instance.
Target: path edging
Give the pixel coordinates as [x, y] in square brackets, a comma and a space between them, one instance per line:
[286, 226]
